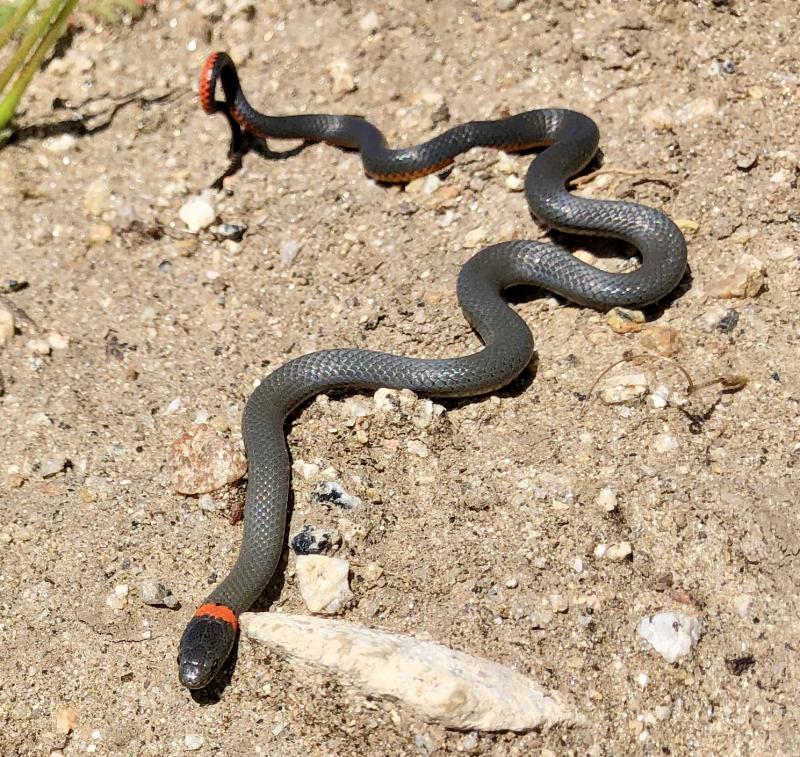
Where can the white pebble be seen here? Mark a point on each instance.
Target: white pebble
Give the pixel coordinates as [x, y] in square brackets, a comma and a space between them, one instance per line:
[289, 250]
[369, 23]
[475, 237]
[671, 634]
[619, 390]
[607, 499]
[416, 447]
[193, 741]
[60, 144]
[323, 583]
[198, 212]
[514, 184]
[618, 552]
[665, 443]
[118, 598]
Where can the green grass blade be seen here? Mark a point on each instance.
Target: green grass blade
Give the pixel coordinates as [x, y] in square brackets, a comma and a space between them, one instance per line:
[9, 29]
[9, 103]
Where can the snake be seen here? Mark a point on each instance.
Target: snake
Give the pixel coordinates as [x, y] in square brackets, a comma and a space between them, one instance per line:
[570, 140]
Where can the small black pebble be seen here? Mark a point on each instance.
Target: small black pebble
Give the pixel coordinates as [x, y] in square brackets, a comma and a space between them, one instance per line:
[230, 231]
[739, 665]
[728, 321]
[728, 67]
[311, 542]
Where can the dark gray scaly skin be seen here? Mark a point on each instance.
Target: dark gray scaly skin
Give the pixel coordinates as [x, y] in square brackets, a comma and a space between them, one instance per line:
[572, 140]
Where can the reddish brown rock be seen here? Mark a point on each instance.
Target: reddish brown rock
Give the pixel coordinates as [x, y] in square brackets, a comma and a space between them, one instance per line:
[203, 460]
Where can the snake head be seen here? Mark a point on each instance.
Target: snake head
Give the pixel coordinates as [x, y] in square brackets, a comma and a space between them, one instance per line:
[205, 645]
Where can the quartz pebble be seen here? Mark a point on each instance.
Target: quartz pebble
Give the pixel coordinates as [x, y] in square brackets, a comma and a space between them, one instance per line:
[153, 592]
[193, 742]
[323, 583]
[369, 22]
[619, 552]
[746, 279]
[198, 212]
[289, 251]
[665, 443]
[342, 81]
[624, 389]
[97, 198]
[438, 684]
[118, 598]
[53, 465]
[475, 237]
[672, 634]
[202, 460]
[607, 499]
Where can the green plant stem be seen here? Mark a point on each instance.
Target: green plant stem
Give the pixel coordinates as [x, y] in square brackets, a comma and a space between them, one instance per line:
[11, 27]
[32, 36]
[9, 103]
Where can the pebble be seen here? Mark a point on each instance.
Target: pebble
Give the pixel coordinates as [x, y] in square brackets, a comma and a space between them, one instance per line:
[746, 279]
[416, 447]
[312, 541]
[342, 81]
[153, 592]
[193, 741]
[230, 231]
[607, 499]
[672, 634]
[97, 199]
[665, 443]
[699, 109]
[714, 317]
[60, 144]
[659, 399]
[663, 340]
[198, 212]
[331, 492]
[559, 603]
[658, 119]
[65, 719]
[506, 5]
[514, 183]
[289, 250]
[39, 347]
[624, 321]
[624, 389]
[53, 465]
[369, 22]
[475, 237]
[783, 253]
[439, 685]
[323, 583]
[118, 598]
[6, 325]
[619, 552]
[202, 460]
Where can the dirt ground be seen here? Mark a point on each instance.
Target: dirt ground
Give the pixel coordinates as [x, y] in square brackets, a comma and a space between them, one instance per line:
[698, 101]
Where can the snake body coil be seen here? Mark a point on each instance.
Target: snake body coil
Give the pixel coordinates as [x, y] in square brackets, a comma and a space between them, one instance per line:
[571, 141]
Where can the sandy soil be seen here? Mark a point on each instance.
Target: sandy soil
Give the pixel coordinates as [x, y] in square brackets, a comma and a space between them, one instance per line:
[698, 99]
